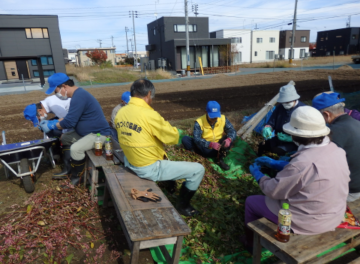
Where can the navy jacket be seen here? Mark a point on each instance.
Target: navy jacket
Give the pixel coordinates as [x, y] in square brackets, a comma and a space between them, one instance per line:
[281, 116]
[85, 115]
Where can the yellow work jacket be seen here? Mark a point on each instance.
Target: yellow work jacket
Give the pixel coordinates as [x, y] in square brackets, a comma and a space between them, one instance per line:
[142, 132]
[210, 134]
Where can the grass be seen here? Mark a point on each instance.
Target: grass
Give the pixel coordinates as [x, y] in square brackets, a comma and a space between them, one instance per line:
[112, 75]
[311, 61]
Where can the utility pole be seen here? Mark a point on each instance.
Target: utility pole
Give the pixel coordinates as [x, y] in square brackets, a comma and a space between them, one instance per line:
[195, 9]
[187, 38]
[112, 41]
[293, 34]
[134, 13]
[348, 24]
[127, 44]
[132, 50]
[99, 40]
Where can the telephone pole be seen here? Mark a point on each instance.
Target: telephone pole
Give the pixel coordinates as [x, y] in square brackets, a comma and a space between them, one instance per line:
[187, 38]
[112, 41]
[127, 44]
[293, 34]
[99, 40]
[134, 13]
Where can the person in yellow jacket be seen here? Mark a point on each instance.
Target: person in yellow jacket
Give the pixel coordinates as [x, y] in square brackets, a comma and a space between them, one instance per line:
[142, 132]
[210, 132]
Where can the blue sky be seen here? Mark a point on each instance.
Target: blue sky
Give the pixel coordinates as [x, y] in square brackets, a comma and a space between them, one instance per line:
[82, 22]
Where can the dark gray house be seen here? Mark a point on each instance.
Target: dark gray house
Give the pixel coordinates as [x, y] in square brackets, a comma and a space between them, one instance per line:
[167, 43]
[344, 41]
[301, 43]
[30, 46]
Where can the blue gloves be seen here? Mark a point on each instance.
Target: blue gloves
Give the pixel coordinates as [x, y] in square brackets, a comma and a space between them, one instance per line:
[48, 125]
[284, 137]
[271, 163]
[255, 171]
[266, 133]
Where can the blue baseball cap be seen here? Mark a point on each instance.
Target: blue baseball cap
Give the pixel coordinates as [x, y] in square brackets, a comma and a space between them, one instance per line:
[55, 80]
[326, 99]
[126, 97]
[213, 109]
[30, 114]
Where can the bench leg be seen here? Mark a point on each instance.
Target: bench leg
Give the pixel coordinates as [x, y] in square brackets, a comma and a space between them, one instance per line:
[256, 249]
[177, 250]
[135, 253]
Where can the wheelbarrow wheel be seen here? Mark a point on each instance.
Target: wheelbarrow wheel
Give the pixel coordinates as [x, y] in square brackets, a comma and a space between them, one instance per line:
[27, 180]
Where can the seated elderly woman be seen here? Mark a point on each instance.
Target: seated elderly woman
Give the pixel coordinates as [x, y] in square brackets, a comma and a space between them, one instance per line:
[314, 183]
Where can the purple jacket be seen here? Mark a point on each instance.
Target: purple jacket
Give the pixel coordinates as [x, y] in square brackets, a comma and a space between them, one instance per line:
[353, 113]
[315, 184]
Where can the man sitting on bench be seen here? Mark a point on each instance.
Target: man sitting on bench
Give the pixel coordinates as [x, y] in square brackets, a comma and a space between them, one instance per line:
[314, 183]
[142, 132]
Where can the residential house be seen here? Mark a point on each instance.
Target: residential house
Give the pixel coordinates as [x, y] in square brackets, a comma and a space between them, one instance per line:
[120, 57]
[264, 45]
[343, 41]
[84, 60]
[72, 56]
[240, 43]
[301, 43]
[30, 47]
[167, 44]
[138, 54]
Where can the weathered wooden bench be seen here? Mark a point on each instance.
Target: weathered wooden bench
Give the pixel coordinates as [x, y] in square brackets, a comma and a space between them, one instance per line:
[301, 248]
[92, 166]
[145, 225]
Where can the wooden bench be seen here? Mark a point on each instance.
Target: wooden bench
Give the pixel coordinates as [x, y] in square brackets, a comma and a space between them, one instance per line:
[92, 166]
[301, 248]
[145, 224]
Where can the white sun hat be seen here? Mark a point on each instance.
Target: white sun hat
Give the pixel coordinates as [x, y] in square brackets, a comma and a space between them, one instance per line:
[288, 93]
[306, 122]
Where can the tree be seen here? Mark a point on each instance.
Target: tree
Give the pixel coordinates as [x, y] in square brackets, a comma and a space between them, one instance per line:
[312, 45]
[129, 61]
[97, 56]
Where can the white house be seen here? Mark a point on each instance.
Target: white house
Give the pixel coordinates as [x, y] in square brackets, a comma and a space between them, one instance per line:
[72, 55]
[265, 44]
[240, 43]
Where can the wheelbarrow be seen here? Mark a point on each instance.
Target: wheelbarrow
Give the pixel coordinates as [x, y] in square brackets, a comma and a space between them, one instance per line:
[25, 154]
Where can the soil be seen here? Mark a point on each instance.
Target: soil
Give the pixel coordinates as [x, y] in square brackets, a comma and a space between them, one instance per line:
[174, 101]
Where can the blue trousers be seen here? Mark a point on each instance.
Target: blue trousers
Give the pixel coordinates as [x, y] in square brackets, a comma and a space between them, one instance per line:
[166, 170]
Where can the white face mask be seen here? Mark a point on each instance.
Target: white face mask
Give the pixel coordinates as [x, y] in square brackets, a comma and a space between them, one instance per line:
[60, 96]
[43, 117]
[288, 106]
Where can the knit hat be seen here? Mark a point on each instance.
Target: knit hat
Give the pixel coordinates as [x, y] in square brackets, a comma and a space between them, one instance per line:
[306, 122]
[288, 93]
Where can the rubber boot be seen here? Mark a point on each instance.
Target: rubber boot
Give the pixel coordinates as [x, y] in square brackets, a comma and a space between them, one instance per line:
[77, 171]
[65, 173]
[169, 186]
[184, 207]
[223, 165]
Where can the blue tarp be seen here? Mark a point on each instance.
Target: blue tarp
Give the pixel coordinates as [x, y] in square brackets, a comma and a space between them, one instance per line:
[258, 129]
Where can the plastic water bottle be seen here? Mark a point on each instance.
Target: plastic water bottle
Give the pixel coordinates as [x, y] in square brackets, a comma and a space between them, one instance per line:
[284, 224]
[98, 145]
[108, 149]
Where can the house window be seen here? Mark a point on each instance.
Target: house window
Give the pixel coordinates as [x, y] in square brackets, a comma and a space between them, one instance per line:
[339, 36]
[322, 39]
[84, 52]
[303, 39]
[112, 51]
[36, 33]
[47, 73]
[341, 53]
[270, 55]
[259, 40]
[236, 40]
[45, 60]
[291, 38]
[237, 58]
[293, 55]
[154, 31]
[328, 53]
[255, 53]
[302, 53]
[182, 28]
[272, 40]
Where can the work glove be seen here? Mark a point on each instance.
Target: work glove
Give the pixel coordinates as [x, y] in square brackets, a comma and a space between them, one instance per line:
[284, 137]
[271, 163]
[215, 145]
[255, 171]
[267, 132]
[48, 125]
[227, 142]
[145, 196]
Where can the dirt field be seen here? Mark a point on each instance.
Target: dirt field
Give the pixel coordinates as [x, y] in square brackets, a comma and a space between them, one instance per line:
[174, 101]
